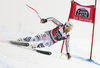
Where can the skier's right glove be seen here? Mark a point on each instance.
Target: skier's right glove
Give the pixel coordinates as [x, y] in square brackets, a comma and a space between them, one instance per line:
[43, 20]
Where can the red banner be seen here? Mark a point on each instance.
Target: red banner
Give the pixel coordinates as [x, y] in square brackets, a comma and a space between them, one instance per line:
[82, 13]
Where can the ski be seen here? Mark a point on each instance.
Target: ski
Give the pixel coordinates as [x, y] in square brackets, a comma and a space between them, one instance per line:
[27, 44]
[19, 43]
[43, 52]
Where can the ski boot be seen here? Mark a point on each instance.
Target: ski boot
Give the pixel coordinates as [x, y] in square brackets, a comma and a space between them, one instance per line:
[68, 55]
[32, 46]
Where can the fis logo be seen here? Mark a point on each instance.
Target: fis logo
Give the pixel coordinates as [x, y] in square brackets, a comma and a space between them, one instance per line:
[82, 11]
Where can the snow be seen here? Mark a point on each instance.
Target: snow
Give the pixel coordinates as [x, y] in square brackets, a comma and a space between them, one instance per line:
[17, 20]
[12, 56]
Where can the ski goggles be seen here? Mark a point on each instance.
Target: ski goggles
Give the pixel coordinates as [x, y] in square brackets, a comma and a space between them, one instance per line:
[67, 27]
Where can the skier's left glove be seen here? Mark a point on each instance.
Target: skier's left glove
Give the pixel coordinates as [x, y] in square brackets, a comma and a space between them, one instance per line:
[68, 55]
[43, 20]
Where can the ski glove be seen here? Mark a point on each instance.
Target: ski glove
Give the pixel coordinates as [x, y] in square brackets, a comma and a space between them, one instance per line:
[68, 55]
[43, 20]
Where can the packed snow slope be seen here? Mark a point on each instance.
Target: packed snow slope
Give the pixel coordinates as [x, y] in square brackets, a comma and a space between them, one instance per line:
[12, 56]
[17, 20]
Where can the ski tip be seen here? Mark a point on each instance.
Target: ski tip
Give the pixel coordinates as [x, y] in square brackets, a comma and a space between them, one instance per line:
[50, 53]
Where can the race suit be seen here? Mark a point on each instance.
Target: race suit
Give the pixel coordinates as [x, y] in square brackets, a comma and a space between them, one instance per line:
[49, 37]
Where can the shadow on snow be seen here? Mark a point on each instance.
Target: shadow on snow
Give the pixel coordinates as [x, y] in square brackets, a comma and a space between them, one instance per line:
[88, 60]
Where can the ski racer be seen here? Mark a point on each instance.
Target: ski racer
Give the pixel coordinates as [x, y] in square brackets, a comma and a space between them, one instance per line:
[61, 32]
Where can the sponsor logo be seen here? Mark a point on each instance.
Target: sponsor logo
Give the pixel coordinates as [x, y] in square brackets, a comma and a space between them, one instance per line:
[82, 11]
[59, 36]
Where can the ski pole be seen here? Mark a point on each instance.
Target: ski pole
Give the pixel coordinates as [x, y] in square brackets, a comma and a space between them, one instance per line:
[34, 10]
[62, 46]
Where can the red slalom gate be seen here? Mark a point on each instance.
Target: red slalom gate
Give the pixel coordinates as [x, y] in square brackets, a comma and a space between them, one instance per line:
[89, 17]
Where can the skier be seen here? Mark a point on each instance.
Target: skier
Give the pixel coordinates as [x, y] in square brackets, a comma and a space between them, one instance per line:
[50, 37]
